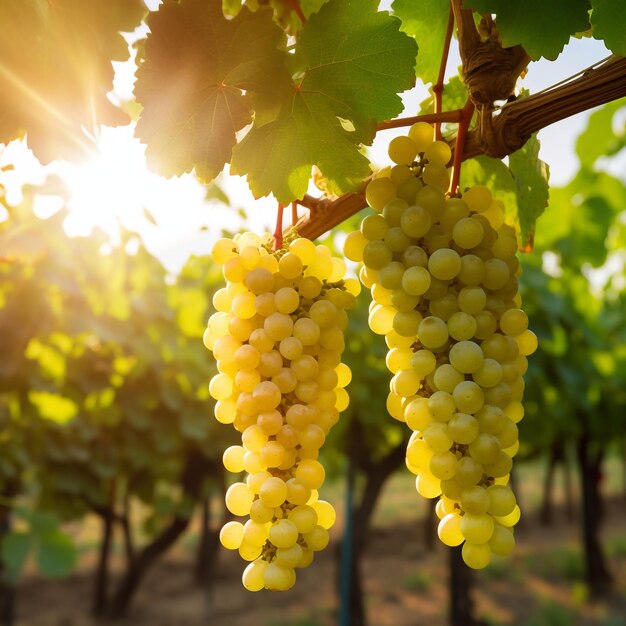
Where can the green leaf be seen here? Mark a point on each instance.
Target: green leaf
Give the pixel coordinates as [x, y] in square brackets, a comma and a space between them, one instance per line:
[427, 22]
[278, 156]
[608, 21]
[56, 554]
[358, 59]
[56, 62]
[542, 28]
[53, 406]
[492, 173]
[531, 178]
[207, 62]
[350, 63]
[455, 96]
[599, 138]
[194, 425]
[15, 547]
[192, 312]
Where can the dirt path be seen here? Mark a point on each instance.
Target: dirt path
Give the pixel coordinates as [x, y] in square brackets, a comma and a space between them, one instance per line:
[405, 586]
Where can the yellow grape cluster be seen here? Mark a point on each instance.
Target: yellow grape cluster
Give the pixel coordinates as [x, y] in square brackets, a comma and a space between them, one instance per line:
[277, 337]
[443, 273]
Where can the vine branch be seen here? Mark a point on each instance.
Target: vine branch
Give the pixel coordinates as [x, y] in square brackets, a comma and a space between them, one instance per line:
[498, 134]
[438, 86]
[446, 116]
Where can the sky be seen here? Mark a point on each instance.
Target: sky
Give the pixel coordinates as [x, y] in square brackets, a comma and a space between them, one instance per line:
[117, 186]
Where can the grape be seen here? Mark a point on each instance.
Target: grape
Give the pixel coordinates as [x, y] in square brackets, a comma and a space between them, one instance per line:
[376, 254]
[466, 357]
[432, 332]
[402, 150]
[374, 227]
[476, 556]
[422, 135]
[449, 530]
[443, 276]
[277, 338]
[444, 264]
[415, 221]
[438, 153]
[467, 233]
[379, 192]
[231, 535]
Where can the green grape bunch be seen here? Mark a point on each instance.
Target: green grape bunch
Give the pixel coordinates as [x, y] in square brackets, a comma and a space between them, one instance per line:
[277, 336]
[443, 274]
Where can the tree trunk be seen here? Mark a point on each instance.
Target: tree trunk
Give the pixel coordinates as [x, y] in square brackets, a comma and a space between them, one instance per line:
[623, 446]
[460, 587]
[598, 576]
[570, 507]
[357, 529]
[207, 549]
[194, 473]
[101, 583]
[351, 606]
[7, 590]
[141, 564]
[546, 511]
[129, 544]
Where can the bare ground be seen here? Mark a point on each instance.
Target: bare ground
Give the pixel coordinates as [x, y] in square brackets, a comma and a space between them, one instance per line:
[405, 585]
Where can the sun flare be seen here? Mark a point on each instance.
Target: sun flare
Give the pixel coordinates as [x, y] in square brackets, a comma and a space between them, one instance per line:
[112, 187]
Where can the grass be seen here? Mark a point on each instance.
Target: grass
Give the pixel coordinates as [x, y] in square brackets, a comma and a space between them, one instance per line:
[552, 614]
[501, 569]
[564, 563]
[617, 547]
[417, 581]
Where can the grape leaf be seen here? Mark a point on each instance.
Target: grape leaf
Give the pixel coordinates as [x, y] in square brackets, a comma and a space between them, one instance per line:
[357, 58]
[427, 22]
[493, 173]
[56, 554]
[455, 95]
[349, 63]
[599, 138]
[206, 62]
[608, 20]
[14, 549]
[542, 28]
[277, 157]
[56, 70]
[531, 177]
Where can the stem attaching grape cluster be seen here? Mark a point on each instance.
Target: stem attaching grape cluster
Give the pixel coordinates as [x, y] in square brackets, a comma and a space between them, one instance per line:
[443, 273]
[277, 338]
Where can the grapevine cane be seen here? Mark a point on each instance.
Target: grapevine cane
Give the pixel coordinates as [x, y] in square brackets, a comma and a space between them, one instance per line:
[278, 232]
[294, 213]
[438, 86]
[466, 117]
[297, 9]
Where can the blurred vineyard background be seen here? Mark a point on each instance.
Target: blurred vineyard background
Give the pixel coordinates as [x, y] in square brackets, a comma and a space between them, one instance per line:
[111, 480]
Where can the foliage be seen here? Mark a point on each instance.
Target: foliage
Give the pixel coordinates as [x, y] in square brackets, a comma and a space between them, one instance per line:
[581, 330]
[104, 384]
[243, 93]
[56, 70]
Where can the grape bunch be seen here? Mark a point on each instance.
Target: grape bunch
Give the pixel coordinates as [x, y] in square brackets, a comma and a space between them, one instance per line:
[443, 274]
[277, 337]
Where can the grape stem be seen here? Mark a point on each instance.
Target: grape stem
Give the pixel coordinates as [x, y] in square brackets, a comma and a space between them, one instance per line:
[294, 213]
[438, 86]
[446, 116]
[278, 233]
[459, 146]
[297, 9]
